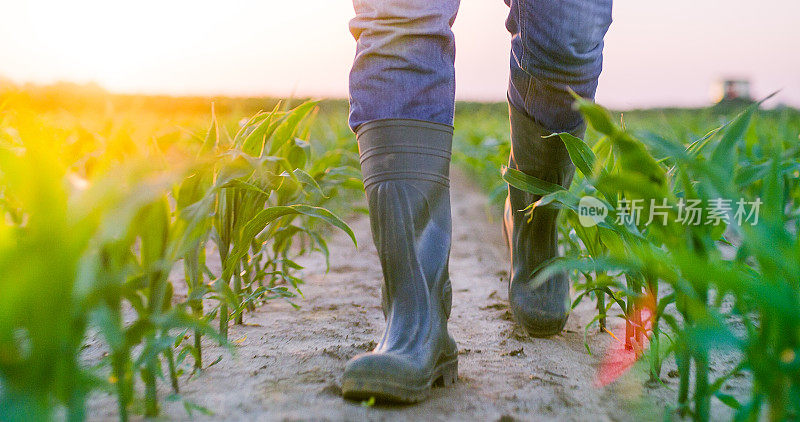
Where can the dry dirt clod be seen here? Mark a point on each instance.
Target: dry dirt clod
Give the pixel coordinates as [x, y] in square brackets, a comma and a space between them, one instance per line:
[516, 352]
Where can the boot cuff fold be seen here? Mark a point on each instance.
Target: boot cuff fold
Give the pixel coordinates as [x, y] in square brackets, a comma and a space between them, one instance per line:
[404, 149]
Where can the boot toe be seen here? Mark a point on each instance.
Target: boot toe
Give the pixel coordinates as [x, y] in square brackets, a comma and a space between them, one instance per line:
[537, 322]
[385, 376]
[540, 315]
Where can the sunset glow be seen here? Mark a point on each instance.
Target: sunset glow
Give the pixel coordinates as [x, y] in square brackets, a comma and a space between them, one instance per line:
[654, 56]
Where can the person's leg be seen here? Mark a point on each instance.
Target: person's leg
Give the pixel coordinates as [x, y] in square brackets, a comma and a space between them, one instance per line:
[404, 63]
[556, 46]
[402, 98]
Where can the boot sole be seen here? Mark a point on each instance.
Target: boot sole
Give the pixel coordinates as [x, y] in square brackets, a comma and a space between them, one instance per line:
[364, 387]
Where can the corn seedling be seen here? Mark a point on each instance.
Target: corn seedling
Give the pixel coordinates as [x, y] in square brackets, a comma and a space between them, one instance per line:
[760, 276]
[92, 225]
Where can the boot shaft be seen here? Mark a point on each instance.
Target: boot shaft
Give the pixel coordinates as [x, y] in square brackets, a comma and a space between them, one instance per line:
[405, 165]
[533, 238]
[535, 152]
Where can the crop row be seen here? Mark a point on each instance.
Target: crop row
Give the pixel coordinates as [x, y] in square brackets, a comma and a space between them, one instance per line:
[92, 227]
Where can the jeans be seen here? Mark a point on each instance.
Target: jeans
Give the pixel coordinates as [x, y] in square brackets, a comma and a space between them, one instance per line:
[405, 53]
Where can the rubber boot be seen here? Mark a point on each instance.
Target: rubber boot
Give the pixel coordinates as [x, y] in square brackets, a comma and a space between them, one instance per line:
[542, 310]
[405, 167]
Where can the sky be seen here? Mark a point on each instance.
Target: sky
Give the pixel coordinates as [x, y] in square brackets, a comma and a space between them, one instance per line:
[657, 53]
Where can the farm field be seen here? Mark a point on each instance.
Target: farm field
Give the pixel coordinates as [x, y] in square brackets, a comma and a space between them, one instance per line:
[288, 362]
[152, 253]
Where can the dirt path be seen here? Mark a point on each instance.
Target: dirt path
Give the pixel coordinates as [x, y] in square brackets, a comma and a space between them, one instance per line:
[288, 363]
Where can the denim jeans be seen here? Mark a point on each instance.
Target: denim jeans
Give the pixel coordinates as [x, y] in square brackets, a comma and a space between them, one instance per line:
[405, 52]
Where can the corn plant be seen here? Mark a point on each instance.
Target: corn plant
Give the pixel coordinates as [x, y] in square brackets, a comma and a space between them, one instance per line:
[258, 189]
[91, 233]
[39, 365]
[627, 260]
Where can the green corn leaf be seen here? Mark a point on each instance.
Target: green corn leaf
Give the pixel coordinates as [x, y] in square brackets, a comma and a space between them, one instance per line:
[322, 245]
[636, 185]
[634, 158]
[298, 153]
[284, 131]
[212, 137]
[254, 142]
[528, 183]
[238, 139]
[109, 324]
[580, 153]
[258, 223]
[309, 181]
[193, 188]
[723, 154]
[590, 236]
[697, 147]
[224, 292]
[276, 113]
[561, 197]
[290, 264]
[154, 224]
[282, 237]
[246, 186]
[664, 147]
[328, 217]
[728, 400]
[597, 116]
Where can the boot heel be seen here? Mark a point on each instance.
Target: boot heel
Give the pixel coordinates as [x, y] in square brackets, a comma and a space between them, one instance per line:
[448, 375]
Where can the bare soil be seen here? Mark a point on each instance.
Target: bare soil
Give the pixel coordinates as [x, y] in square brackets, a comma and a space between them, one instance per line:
[287, 363]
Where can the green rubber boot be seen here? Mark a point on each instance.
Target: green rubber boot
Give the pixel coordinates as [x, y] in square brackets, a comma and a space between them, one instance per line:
[405, 167]
[542, 310]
